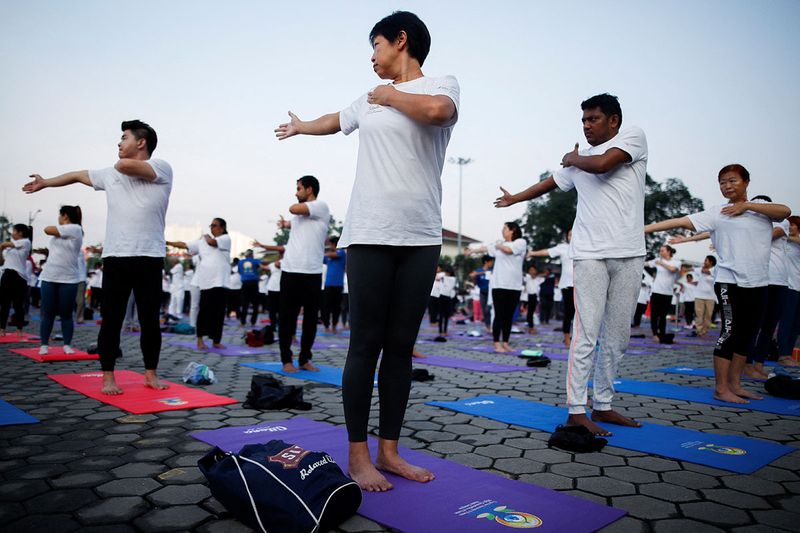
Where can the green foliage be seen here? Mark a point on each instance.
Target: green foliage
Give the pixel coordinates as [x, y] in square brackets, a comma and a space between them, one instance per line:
[548, 218]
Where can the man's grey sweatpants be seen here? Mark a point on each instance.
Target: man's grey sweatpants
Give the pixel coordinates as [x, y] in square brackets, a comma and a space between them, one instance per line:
[606, 291]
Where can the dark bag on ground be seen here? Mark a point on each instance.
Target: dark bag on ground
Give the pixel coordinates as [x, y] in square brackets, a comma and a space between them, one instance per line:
[181, 328]
[421, 374]
[576, 439]
[540, 361]
[667, 338]
[266, 392]
[783, 386]
[281, 488]
[259, 337]
[88, 314]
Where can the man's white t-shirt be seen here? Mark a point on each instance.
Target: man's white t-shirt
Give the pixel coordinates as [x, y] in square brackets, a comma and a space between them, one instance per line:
[16, 257]
[532, 284]
[778, 266]
[397, 193]
[62, 264]
[704, 290]
[214, 269]
[436, 288]
[188, 276]
[562, 251]
[793, 264]
[507, 272]
[687, 293]
[305, 250]
[742, 244]
[665, 280]
[609, 222]
[448, 286]
[176, 278]
[235, 280]
[274, 283]
[136, 210]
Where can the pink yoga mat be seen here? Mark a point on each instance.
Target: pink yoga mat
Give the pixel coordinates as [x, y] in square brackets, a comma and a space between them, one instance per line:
[56, 353]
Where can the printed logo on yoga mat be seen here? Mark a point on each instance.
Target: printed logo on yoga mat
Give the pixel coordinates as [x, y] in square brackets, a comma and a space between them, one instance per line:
[500, 514]
[270, 429]
[724, 450]
[289, 457]
[172, 401]
[480, 402]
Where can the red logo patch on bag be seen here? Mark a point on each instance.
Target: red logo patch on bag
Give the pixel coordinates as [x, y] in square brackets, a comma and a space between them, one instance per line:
[289, 457]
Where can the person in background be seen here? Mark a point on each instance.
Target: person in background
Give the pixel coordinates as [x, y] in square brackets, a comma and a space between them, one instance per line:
[249, 273]
[14, 283]
[336, 261]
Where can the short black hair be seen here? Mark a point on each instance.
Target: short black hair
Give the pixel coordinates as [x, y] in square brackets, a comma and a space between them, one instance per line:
[516, 231]
[333, 239]
[712, 260]
[72, 212]
[222, 224]
[736, 168]
[142, 130]
[607, 103]
[419, 38]
[762, 197]
[22, 229]
[487, 258]
[310, 181]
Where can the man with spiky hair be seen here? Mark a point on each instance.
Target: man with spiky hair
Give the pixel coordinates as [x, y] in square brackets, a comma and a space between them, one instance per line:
[137, 192]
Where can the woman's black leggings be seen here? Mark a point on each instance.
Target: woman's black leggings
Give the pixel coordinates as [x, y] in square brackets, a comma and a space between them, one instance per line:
[13, 289]
[389, 290]
[568, 301]
[533, 301]
[505, 303]
[445, 311]
[211, 316]
[659, 309]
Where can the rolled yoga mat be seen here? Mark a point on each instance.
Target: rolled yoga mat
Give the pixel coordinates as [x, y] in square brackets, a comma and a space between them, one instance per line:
[459, 500]
[729, 452]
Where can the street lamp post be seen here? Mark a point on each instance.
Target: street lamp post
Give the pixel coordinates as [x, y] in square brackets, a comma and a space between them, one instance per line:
[460, 161]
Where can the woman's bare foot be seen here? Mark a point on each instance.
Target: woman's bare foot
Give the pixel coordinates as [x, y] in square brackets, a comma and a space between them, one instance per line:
[151, 381]
[729, 397]
[744, 393]
[532, 331]
[290, 368]
[309, 366]
[499, 348]
[110, 386]
[417, 354]
[583, 420]
[567, 339]
[613, 417]
[363, 472]
[392, 462]
[754, 372]
[656, 339]
[218, 346]
[507, 347]
[201, 345]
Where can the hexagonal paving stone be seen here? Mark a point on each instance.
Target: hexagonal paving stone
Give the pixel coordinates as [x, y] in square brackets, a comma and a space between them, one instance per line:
[52, 523]
[548, 456]
[626, 524]
[11, 511]
[182, 517]
[692, 480]
[777, 518]
[80, 479]
[753, 485]
[102, 463]
[548, 480]
[60, 501]
[472, 460]
[645, 507]
[113, 510]
[629, 473]
[138, 470]
[450, 447]
[138, 486]
[669, 492]
[684, 526]
[21, 490]
[605, 486]
[599, 459]
[518, 465]
[229, 526]
[498, 450]
[654, 464]
[180, 495]
[715, 513]
[736, 499]
[575, 470]
[42, 471]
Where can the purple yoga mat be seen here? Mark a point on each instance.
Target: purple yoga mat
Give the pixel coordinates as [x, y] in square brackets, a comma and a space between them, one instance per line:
[459, 500]
[469, 364]
[230, 351]
[139, 334]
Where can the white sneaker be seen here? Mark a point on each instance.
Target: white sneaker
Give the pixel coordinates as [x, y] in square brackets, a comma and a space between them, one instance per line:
[68, 349]
[43, 350]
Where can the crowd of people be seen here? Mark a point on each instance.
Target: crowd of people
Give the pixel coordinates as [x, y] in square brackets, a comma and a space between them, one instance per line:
[381, 272]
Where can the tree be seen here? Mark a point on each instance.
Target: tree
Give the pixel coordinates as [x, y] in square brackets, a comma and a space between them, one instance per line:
[548, 218]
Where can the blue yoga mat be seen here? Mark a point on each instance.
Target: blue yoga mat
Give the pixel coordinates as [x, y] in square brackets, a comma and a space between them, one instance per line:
[737, 454]
[691, 371]
[769, 404]
[10, 415]
[327, 374]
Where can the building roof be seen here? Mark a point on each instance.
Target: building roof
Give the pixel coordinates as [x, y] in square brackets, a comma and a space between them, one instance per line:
[452, 236]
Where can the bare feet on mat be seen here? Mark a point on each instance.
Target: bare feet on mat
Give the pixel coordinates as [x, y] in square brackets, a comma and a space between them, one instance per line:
[507, 347]
[200, 344]
[110, 386]
[218, 346]
[363, 472]
[744, 393]
[151, 381]
[752, 371]
[310, 367]
[532, 331]
[613, 417]
[729, 397]
[567, 339]
[787, 361]
[499, 348]
[392, 462]
[290, 368]
[583, 420]
[417, 354]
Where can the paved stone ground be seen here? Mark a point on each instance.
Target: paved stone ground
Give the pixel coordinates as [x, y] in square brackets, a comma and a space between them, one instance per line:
[91, 467]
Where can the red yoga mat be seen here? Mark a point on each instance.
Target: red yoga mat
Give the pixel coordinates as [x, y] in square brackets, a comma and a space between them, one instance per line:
[12, 336]
[138, 399]
[56, 353]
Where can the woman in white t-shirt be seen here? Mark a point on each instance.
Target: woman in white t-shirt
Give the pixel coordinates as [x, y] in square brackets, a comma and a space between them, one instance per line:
[667, 271]
[392, 232]
[274, 293]
[741, 232]
[789, 326]
[14, 283]
[61, 276]
[509, 257]
[447, 298]
[212, 277]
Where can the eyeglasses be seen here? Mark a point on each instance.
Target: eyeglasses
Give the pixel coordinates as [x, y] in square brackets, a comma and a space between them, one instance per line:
[215, 225]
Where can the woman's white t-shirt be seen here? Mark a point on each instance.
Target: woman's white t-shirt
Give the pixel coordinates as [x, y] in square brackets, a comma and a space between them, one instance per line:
[507, 272]
[16, 257]
[562, 252]
[644, 291]
[665, 280]
[742, 243]
[793, 264]
[449, 286]
[274, 283]
[62, 264]
[214, 269]
[778, 266]
[704, 290]
[397, 193]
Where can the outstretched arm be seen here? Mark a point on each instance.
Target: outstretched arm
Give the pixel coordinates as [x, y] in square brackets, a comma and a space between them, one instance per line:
[39, 183]
[673, 223]
[534, 191]
[678, 239]
[136, 168]
[596, 164]
[324, 125]
[539, 253]
[270, 247]
[776, 212]
[178, 244]
[433, 110]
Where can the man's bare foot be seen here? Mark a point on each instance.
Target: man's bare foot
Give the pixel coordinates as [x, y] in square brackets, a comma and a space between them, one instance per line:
[363, 472]
[583, 420]
[290, 368]
[218, 346]
[309, 366]
[751, 371]
[201, 345]
[729, 397]
[417, 354]
[744, 393]
[613, 417]
[110, 386]
[151, 381]
[499, 348]
[392, 462]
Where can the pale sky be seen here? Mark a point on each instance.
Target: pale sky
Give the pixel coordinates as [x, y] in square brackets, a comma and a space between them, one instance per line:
[711, 83]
